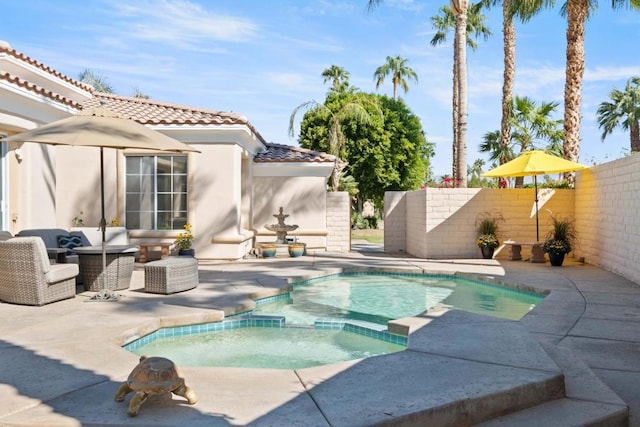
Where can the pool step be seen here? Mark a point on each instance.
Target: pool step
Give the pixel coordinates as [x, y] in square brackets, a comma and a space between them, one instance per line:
[588, 401]
[565, 412]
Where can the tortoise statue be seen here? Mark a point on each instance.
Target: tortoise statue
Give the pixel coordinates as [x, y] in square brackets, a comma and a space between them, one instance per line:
[153, 375]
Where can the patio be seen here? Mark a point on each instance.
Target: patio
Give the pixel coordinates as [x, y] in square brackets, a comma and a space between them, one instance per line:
[62, 364]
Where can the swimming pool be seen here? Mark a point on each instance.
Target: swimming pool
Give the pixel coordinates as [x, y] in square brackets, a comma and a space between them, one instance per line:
[345, 317]
[380, 297]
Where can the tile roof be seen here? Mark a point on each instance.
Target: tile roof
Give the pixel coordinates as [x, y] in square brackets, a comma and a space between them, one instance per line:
[150, 112]
[288, 153]
[32, 87]
[146, 111]
[5, 48]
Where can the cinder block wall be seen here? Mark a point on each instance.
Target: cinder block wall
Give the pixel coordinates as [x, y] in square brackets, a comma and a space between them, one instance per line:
[395, 230]
[608, 224]
[416, 222]
[338, 221]
[441, 222]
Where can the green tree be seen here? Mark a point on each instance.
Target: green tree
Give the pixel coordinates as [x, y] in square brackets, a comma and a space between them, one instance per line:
[397, 68]
[577, 13]
[95, 80]
[334, 135]
[337, 75]
[531, 127]
[475, 179]
[388, 153]
[444, 23]
[623, 111]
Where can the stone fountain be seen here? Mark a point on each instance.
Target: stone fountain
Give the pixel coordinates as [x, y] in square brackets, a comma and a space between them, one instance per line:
[281, 229]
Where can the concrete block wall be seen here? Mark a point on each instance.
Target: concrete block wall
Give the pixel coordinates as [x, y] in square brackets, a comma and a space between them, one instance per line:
[395, 231]
[338, 221]
[608, 224]
[449, 227]
[416, 222]
[441, 222]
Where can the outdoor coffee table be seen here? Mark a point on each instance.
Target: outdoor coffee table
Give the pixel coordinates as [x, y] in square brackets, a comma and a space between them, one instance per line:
[120, 263]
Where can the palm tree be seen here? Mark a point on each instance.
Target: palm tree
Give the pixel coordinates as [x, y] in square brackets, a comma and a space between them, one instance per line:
[475, 25]
[577, 12]
[351, 110]
[624, 112]
[95, 80]
[530, 126]
[509, 61]
[139, 94]
[459, 9]
[397, 68]
[337, 76]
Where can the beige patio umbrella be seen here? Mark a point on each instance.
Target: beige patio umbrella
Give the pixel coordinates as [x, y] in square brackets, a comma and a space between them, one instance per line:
[101, 127]
[533, 163]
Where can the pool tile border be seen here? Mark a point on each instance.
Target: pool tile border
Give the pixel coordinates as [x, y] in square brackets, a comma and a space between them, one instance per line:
[247, 319]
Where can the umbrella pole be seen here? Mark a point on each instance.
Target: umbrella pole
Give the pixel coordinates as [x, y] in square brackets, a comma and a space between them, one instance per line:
[105, 294]
[535, 185]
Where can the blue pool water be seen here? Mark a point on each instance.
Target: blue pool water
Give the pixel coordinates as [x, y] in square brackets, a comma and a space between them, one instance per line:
[378, 298]
[352, 310]
[264, 347]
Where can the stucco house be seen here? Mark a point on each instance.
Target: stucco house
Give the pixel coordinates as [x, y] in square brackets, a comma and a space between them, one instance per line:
[228, 192]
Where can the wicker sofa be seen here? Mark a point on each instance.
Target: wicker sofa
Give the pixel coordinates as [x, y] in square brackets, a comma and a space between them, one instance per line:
[89, 236]
[29, 278]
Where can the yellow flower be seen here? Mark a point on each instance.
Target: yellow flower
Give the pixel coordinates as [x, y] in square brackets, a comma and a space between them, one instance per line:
[184, 240]
[487, 240]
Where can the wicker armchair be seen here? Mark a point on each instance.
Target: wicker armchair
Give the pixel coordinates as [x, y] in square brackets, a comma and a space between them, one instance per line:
[28, 277]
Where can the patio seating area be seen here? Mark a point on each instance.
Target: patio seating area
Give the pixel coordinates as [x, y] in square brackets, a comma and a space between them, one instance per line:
[171, 275]
[27, 276]
[586, 329]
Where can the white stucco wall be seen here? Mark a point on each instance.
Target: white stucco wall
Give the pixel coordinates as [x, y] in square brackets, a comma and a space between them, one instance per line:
[215, 196]
[34, 178]
[302, 198]
[77, 185]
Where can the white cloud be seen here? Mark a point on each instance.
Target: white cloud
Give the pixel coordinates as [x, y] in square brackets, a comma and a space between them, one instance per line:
[611, 74]
[181, 23]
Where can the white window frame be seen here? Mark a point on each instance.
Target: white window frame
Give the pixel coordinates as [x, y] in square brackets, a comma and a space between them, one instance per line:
[177, 224]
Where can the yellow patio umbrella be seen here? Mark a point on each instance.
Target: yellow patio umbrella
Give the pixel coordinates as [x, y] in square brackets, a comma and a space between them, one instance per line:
[533, 163]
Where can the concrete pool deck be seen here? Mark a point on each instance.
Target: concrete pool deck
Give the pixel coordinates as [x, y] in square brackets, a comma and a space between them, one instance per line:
[574, 359]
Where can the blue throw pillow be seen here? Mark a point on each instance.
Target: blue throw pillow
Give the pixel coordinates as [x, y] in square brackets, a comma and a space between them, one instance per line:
[69, 243]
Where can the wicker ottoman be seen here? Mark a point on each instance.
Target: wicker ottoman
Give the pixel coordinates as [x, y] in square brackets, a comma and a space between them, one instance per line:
[171, 275]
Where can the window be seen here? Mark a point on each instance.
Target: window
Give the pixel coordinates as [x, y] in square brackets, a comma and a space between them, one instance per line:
[156, 192]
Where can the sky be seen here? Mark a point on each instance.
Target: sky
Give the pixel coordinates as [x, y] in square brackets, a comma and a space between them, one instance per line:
[262, 59]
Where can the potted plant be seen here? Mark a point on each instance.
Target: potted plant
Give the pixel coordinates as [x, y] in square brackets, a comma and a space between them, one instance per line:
[487, 232]
[559, 240]
[268, 250]
[184, 240]
[296, 249]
